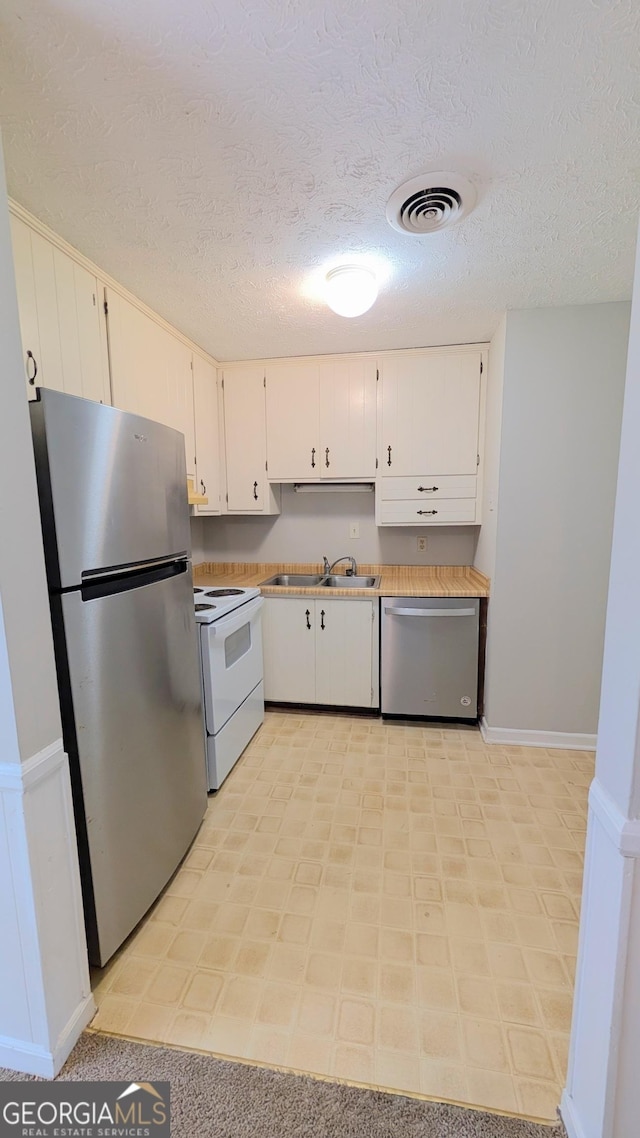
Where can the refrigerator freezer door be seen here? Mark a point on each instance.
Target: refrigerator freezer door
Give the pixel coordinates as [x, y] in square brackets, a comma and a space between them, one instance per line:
[113, 487]
[133, 729]
[429, 657]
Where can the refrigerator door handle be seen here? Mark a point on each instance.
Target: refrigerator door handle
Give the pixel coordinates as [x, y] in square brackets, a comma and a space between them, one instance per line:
[429, 612]
[91, 575]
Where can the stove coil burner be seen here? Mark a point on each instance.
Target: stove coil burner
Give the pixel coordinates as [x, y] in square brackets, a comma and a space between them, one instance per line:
[204, 608]
[225, 593]
[198, 590]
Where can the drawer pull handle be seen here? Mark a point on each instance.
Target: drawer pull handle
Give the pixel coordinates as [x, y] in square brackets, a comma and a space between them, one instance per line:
[427, 489]
[426, 511]
[32, 359]
[204, 488]
[255, 491]
[307, 614]
[322, 615]
[313, 456]
[326, 456]
[389, 458]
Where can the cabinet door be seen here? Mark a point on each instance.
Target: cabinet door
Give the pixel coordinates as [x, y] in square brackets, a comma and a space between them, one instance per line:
[344, 652]
[83, 362]
[245, 439]
[293, 422]
[179, 388]
[205, 394]
[151, 371]
[347, 418]
[288, 632]
[27, 307]
[430, 413]
[132, 351]
[51, 371]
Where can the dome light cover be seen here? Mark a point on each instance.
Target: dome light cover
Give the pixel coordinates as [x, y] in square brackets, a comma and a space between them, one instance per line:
[350, 290]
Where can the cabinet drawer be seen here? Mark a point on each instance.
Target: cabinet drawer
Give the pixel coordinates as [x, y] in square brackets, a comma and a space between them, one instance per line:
[447, 511]
[427, 486]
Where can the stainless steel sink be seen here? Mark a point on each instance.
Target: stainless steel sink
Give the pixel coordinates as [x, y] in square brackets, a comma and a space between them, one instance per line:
[340, 581]
[293, 580]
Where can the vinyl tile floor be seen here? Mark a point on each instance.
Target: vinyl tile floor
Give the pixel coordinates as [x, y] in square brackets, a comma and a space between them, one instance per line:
[393, 905]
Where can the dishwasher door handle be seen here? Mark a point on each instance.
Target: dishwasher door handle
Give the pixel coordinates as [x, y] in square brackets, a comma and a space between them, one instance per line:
[429, 612]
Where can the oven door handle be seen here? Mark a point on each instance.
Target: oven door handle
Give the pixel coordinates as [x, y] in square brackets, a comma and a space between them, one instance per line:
[236, 619]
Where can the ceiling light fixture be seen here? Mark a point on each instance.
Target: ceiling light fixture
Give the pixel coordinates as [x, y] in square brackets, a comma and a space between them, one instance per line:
[350, 290]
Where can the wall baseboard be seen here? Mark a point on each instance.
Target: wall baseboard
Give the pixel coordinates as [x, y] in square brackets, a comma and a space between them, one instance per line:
[514, 737]
[33, 1059]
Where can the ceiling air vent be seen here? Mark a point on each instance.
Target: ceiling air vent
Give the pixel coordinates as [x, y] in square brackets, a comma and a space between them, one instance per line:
[430, 202]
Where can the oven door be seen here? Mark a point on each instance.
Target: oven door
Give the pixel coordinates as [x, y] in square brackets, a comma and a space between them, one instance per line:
[231, 662]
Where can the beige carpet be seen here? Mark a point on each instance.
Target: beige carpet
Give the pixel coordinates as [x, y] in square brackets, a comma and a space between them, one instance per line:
[212, 1097]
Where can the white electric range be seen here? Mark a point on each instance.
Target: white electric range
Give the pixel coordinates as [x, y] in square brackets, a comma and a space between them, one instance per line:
[230, 647]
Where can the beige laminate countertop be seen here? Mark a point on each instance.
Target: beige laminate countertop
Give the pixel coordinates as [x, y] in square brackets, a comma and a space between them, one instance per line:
[395, 580]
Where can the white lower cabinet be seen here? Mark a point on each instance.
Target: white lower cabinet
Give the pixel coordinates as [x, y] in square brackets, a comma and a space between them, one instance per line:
[289, 645]
[321, 650]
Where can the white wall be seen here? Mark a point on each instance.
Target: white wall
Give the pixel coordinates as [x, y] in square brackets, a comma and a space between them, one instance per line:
[602, 1098]
[562, 403]
[312, 525]
[45, 998]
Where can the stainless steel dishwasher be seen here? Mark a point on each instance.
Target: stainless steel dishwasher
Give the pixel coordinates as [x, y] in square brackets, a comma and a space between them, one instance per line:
[430, 656]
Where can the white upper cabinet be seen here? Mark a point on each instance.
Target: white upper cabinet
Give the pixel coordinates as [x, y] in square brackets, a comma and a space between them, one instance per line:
[321, 420]
[430, 412]
[205, 395]
[60, 319]
[293, 421]
[82, 332]
[348, 418]
[151, 371]
[247, 489]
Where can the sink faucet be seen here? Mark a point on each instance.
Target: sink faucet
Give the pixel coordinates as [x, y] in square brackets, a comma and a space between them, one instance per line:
[351, 571]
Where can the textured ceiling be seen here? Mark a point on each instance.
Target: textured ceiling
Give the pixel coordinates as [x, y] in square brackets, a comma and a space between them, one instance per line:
[210, 154]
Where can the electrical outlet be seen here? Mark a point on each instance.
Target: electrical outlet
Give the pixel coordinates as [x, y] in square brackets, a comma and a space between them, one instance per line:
[354, 529]
[422, 545]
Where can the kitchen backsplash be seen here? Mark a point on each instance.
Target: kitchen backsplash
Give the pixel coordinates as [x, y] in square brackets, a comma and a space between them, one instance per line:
[311, 525]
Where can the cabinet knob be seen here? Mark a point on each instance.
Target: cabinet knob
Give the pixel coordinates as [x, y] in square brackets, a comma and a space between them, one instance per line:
[388, 456]
[31, 360]
[313, 456]
[427, 489]
[255, 491]
[326, 456]
[322, 614]
[426, 511]
[308, 614]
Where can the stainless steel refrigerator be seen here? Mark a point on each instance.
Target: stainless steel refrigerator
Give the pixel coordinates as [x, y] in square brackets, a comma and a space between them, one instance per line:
[115, 520]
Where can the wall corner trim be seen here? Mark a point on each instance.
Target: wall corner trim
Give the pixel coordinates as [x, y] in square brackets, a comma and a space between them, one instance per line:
[515, 737]
[572, 1123]
[624, 832]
